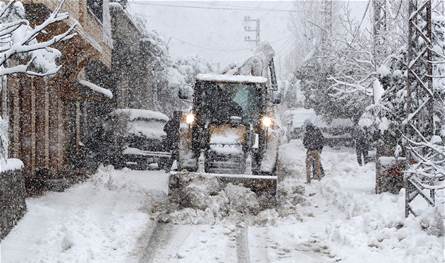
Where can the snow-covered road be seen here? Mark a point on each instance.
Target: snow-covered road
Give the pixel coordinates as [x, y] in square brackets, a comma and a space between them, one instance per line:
[100, 220]
[342, 220]
[107, 220]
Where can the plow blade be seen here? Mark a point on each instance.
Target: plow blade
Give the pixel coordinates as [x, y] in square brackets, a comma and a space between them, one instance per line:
[257, 183]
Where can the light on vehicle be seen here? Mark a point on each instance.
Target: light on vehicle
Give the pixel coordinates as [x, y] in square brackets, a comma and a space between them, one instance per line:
[190, 118]
[266, 121]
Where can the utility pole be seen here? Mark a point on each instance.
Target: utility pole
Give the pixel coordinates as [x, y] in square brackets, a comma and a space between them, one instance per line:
[249, 30]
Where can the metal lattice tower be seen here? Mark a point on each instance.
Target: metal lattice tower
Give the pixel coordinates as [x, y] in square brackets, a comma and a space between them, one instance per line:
[419, 123]
[379, 29]
[420, 69]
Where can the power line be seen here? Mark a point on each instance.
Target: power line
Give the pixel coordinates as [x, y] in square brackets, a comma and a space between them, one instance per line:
[225, 8]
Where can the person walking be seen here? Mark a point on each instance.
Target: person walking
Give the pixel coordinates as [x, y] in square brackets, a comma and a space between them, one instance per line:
[361, 141]
[313, 141]
[171, 142]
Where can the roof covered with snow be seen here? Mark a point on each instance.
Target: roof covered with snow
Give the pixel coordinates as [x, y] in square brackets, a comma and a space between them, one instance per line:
[231, 78]
[139, 114]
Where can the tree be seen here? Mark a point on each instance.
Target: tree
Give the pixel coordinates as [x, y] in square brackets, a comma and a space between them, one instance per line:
[22, 52]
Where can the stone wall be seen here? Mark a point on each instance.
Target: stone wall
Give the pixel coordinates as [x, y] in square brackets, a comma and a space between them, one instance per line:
[12, 200]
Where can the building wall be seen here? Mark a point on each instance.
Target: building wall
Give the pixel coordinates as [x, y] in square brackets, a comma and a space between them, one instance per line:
[130, 63]
[46, 127]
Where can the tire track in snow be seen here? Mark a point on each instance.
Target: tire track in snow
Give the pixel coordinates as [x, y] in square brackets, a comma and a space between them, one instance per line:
[259, 244]
[242, 244]
[158, 238]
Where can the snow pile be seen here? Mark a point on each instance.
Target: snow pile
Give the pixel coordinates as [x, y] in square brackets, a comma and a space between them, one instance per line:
[291, 195]
[10, 165]
[242, 199]
[356, 224]
[139, 114]
[197, 199]
[231, 78]
[96, 221]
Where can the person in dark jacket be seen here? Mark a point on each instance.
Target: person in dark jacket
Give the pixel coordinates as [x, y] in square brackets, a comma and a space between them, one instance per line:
[171, 142]
[313, 141]
[361, 141]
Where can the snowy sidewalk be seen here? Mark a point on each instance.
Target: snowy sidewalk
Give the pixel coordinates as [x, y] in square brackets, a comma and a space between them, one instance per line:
[100, 220]
[346, 220]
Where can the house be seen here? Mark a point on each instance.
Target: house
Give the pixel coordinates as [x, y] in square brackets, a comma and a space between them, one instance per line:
[132, 61]
[51, 120]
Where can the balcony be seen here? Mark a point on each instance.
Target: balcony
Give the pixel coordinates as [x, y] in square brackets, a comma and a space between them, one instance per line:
[96, 32]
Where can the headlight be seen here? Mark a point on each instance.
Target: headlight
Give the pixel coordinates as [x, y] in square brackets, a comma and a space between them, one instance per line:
[190, 118]
[266, 122]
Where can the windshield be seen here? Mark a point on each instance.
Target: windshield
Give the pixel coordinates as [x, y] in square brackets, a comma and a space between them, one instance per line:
[223, 100]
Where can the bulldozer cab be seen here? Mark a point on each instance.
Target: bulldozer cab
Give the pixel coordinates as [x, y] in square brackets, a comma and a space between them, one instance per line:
[229, 102]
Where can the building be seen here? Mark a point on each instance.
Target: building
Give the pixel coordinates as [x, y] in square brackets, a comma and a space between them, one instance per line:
[132, 61]
[52, 120]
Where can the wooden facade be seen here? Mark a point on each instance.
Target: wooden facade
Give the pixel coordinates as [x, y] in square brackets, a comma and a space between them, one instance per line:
[50, 119]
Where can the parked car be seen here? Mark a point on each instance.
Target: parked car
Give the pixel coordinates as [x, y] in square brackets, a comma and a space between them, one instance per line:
[138, 139]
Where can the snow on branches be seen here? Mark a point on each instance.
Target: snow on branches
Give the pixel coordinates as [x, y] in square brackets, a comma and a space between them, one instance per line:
[18, 41]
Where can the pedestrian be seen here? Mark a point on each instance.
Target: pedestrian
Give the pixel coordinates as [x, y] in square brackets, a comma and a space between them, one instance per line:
[313, 141]
[171, 142]
[361, 141]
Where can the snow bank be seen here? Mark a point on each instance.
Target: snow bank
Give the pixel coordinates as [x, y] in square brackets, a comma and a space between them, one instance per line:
[196, 199]
[139, 114]
[356, 224]
[10, 165]
[231, 78]
[97, 221]
[242, 199]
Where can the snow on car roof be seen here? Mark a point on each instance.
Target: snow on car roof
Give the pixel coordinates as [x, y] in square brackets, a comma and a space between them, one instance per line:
[300, 115]
[231, 78]
[139, 114]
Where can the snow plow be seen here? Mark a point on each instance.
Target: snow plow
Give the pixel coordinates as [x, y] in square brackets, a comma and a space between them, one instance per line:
[231, 133]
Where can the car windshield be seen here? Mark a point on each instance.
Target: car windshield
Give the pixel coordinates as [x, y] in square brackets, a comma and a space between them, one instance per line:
[224, 100]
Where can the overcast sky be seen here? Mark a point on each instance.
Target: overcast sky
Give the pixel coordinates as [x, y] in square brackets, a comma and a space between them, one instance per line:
[217, 34]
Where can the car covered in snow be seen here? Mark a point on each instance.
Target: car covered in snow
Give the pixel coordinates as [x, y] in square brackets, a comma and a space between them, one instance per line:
[338, 132]
[139, 138]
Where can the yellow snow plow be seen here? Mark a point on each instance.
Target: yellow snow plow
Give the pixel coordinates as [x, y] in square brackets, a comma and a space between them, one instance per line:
[230, 134]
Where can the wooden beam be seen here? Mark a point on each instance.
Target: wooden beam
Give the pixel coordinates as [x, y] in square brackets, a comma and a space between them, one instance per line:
[46, 124]
[33, 125]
